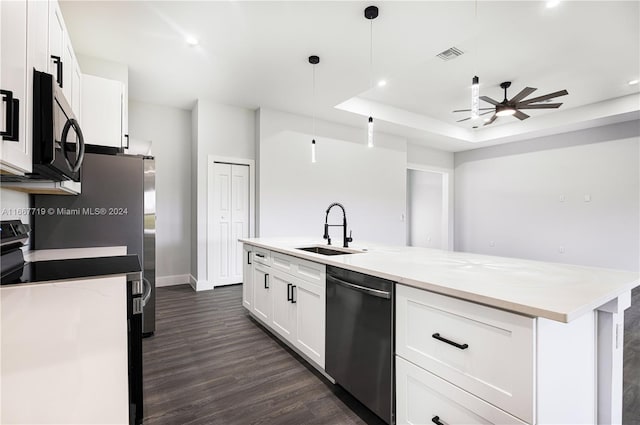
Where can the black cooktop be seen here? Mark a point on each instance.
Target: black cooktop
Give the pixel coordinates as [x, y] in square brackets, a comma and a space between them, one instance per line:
[77, 268]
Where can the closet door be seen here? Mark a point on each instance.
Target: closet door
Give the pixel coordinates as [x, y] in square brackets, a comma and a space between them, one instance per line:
[229, 221]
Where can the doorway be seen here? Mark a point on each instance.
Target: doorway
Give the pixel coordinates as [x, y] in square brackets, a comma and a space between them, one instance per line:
[428, 208]
[230, 213]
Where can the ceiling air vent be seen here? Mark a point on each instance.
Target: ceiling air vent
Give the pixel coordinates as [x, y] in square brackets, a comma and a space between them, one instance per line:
[450, 53]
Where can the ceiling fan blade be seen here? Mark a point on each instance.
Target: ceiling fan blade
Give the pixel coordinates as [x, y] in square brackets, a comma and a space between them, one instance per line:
[488, 112]
[520, 115]
[469, 110]
[541, 106]
[489, 100]
[546, 96]
[464, 119]
[524, 93]
[493, 118]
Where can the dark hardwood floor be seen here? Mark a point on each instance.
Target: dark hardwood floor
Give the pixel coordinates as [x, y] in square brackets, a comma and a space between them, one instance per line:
[631, 371]
[210, 363]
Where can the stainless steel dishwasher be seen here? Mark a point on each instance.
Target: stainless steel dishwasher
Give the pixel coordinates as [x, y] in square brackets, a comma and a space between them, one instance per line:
[359, 338]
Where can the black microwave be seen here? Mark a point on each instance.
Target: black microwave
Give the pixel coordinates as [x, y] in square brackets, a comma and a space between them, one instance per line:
[58, 143]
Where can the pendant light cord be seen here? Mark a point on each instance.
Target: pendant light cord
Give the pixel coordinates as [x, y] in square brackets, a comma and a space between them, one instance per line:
[313, 106]
[371, 54]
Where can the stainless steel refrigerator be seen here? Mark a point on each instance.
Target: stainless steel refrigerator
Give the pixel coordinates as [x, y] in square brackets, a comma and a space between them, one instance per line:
[116, 207]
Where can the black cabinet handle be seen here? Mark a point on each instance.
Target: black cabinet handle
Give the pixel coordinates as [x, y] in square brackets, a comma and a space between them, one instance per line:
[293, 300]
[266, 282]
[126, 136]
[455, 344]
[12, 118]
[249, 257]
[259, 255]
[58, 62]
[289, 292]
[436, 420]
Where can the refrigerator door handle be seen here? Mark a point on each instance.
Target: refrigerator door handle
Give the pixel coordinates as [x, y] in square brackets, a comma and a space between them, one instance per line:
[147, 291]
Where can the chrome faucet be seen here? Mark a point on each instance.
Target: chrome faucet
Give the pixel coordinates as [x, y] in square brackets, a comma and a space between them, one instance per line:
[346, 239]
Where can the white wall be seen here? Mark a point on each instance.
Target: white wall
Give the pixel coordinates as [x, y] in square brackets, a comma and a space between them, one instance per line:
[527, 199]
[221, 131]
[169, 130]
[424, 209]
[435, 158]
[295, 193]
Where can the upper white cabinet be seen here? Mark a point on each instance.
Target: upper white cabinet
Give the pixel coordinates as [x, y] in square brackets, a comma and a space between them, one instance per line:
[63, 64]
[103, 112]
[15, 151]
[32, 36]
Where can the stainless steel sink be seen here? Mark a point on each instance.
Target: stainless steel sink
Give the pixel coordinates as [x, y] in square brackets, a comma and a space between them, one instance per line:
[326, 251]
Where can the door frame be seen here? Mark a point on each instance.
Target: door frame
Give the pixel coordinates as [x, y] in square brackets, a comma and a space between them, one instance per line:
[447, 201]
[211, 159]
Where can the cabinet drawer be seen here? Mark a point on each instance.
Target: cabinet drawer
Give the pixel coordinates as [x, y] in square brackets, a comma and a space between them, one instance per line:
[422, 396]
[261, 255]
[306, 270]
[485, 351]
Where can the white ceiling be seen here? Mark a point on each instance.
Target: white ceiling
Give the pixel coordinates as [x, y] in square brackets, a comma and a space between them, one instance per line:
[254, 54]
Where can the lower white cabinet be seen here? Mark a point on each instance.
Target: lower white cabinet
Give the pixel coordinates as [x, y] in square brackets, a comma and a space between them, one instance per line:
[247, 277]
[424, 398]
[288, 296]
[262, 292]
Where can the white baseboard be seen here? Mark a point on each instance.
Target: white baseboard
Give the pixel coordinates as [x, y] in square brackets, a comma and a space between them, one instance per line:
[179, 279]
[193, 282]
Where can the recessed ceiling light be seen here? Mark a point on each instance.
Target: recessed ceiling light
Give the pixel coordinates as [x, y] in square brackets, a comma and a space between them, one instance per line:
[632, 82]
[382, 83]
[552, 3]
[192, 41]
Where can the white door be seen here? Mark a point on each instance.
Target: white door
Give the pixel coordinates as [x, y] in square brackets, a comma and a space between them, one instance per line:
[310, 300]
[230, 222]
[283, 318]
[262, 303]
[427, 209]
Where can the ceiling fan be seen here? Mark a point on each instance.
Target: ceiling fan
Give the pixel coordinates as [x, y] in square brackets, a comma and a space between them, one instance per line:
[514, 105]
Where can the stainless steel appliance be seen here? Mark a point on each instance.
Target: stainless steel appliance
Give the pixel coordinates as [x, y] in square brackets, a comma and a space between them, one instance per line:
[360, 338]
[116, 208]
[58, 144]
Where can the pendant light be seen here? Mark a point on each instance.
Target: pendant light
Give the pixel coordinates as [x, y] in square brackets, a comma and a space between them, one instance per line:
[314, 60]
[475, 81]
[370, 13]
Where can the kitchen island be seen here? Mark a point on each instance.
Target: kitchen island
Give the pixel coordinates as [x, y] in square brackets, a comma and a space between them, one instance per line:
[542, 341]
[64, 349]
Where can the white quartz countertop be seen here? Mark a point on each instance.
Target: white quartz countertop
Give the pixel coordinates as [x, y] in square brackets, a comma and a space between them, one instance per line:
[559, 292]
[71, 253]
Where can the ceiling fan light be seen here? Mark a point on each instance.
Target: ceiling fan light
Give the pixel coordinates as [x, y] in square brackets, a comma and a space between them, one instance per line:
[505, 111]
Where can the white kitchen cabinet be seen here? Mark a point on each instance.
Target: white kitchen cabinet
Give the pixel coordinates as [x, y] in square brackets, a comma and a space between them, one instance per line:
[424, 398]
[289, 297]
[310, 320]
[15, 151]
[63, 64]
[102, 111]
[485, 351]
[247, 278]
[262, 302]
[283, 319]
[534, 369]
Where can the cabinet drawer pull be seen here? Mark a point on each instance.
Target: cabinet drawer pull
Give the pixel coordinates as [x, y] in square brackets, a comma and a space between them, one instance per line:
[126, 136]
[455, 344]
[12, 118]
[249, 257]
[259, 255]
[293, 299]
[289, 292]
[58, 62]
[266, 281]
[436, 420]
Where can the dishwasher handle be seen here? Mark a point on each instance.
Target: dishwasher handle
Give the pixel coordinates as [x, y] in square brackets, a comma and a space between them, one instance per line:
[369, 291]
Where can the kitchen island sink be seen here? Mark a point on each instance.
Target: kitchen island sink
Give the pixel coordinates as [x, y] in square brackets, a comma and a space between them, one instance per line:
[326, 251]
